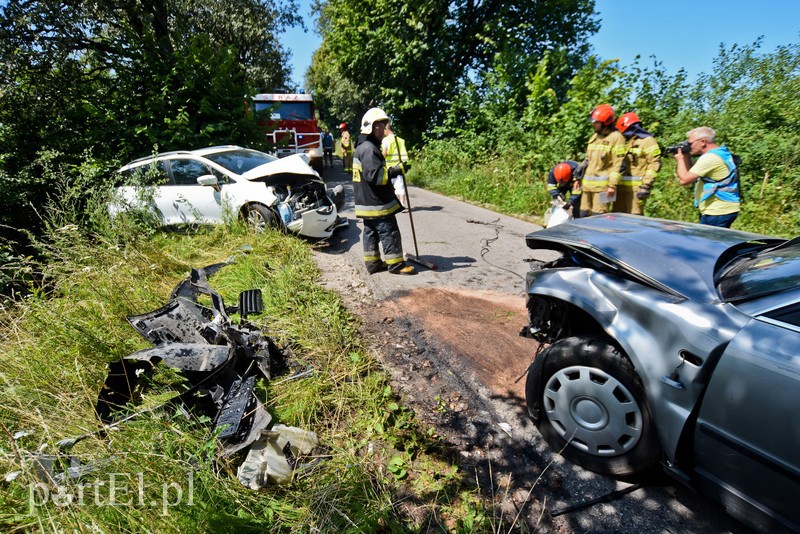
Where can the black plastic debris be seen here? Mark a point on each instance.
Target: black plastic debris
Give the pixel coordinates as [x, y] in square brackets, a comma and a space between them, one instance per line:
[220, 360]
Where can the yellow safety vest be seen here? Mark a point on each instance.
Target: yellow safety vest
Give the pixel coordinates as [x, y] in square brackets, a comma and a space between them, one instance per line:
[604, 154]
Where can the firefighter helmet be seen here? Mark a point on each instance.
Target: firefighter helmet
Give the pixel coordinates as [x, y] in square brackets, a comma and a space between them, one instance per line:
[372, 116]
[627, 120]
[603, 114]
[343, 126]
[562, 173]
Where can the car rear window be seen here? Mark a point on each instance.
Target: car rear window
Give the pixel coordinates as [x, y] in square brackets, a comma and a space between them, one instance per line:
[762, 274]
[240, 161]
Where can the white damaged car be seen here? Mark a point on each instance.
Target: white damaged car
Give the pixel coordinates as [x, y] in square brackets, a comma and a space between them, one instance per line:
[206, 186]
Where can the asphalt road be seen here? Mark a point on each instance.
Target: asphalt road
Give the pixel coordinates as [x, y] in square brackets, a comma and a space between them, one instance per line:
[475, 251]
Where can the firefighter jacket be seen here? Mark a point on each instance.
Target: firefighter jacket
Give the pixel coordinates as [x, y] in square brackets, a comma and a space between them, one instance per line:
[642, 162]
[372, 185]
[604, 156]
[395, 149]
[573, 187]
[345, 142]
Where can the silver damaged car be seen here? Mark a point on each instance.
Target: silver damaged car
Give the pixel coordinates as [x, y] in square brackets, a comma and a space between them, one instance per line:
[673, 344]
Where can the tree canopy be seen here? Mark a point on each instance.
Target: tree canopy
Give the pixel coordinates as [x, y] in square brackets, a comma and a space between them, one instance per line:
[415, 58]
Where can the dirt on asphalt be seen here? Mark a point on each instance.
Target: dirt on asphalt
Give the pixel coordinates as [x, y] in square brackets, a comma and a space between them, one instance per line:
[447, 352]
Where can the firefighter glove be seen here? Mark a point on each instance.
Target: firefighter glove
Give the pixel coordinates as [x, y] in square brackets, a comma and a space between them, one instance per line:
[643, 192]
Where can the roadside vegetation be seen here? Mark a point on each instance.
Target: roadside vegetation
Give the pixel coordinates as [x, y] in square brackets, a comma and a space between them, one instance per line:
[494, 154]
[383, 471]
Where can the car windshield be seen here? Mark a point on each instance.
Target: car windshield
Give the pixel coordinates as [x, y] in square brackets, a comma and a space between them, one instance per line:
[240, 161]
[758, 275]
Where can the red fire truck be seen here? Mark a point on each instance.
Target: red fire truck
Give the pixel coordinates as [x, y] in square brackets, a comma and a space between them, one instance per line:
[291, 124]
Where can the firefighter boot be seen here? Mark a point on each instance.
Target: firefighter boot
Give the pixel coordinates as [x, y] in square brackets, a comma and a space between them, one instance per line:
[403, 268]
[376, 266]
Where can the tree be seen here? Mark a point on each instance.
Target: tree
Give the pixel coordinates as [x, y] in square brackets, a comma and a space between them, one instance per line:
[411, 56]
[117, 79]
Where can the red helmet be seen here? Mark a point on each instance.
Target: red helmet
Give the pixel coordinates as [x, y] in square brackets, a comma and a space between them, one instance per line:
[603, 114]
[627, 120]
[343, 126]
[562, 173]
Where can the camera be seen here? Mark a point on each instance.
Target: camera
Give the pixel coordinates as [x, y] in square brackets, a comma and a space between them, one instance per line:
[683, 146]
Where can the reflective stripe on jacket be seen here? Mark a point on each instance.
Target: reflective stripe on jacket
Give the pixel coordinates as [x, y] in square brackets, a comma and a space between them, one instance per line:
[642, 162]
[372, 189]
[604, 155]
[573, 187]
[395, 150]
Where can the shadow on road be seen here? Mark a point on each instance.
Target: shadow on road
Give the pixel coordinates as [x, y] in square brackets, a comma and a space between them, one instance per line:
[444, 264]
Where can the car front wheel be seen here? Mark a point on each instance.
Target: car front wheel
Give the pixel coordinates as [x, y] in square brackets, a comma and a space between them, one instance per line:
[588, 402]
[260, 217]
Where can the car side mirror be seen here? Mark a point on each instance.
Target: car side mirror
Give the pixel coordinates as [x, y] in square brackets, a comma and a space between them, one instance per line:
[209, 180]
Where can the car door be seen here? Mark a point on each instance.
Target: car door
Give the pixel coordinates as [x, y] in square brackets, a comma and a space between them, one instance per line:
[183, 200]
[747, 440]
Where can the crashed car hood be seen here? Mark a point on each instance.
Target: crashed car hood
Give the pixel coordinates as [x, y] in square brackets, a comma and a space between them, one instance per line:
[672, 256]
[285, 171]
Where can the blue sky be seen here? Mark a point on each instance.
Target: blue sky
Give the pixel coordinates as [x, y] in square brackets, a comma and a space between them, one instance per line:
[680, 33]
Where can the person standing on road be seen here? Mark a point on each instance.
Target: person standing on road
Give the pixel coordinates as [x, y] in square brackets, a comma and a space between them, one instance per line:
[640, 166]
[393, 148]
[327, 148]
[604, 156]
[375, 201]
[715, 174]
[346, 145]
[564, 182]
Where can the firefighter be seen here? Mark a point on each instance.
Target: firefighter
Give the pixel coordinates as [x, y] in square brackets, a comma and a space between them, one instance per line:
[375, 201]
[640, 167]
[347, 148]
[393, 148]
[564, 180]
[604, 156]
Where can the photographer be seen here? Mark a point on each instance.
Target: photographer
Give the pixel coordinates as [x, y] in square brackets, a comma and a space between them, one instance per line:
[714, 173]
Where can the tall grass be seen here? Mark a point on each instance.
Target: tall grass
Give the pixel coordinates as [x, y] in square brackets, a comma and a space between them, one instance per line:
[160, 471]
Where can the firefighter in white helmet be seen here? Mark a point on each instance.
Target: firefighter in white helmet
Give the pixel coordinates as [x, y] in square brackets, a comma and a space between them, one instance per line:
[375, 200]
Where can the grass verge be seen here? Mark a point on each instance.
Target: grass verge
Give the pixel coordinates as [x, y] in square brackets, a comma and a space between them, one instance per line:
[158, 472]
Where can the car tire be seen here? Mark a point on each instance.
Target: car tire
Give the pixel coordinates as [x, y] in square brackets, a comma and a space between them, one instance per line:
[260, 217]
[583, 391]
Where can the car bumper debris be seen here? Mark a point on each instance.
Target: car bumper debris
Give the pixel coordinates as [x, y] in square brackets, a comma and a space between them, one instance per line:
[222, 362]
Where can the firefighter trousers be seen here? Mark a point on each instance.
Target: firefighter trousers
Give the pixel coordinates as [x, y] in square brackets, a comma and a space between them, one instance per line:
[383, 232]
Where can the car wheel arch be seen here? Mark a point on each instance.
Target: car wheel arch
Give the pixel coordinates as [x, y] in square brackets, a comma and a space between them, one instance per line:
[585, 320]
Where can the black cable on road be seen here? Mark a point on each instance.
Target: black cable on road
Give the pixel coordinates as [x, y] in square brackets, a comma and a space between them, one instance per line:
[608, 497]
[486, 242]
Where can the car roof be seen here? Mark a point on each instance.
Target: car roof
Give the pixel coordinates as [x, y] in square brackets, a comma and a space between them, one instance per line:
[674, 256]
[202, 152]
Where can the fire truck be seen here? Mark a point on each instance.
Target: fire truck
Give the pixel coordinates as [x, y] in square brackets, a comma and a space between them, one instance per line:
[291, 125]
